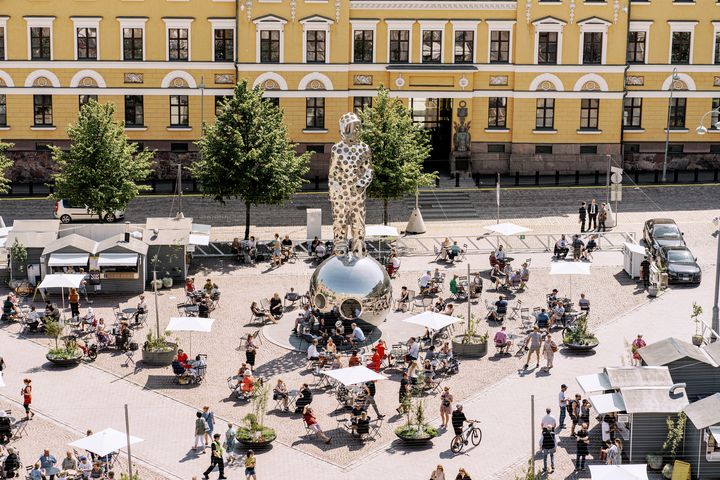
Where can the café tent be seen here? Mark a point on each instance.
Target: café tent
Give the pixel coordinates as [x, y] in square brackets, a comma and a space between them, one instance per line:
[190, 324]
[62, 281]
[354, 375]
[619, 472]
[432, 320]
[506, 229]
[105, 442]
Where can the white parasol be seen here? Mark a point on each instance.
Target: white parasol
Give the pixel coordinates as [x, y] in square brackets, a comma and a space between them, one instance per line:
[506, 229]
[190, 324]
[354, 375]
[432, 320]
[105, 442]
[62, 281]
[619, 472]
[570, 268]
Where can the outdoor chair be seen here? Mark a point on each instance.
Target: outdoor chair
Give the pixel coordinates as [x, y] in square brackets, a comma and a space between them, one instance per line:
[438, 253]
[424, 303]
[463, 253]
[141, 320]
[257, 318]
[255, 336]
[515, 310]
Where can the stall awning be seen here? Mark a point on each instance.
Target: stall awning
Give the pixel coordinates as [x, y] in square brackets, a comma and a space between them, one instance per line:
[118, 259]
[68, 259]
[596, 382]
[715, 432]
[609, 402]
[199, 239]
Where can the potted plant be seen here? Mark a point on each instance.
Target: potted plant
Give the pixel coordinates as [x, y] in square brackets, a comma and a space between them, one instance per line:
[416, 431]
[254, 434]
[579, 338]
[676, 432]
[698, 338]
[67, 355]
[167, 280]
[157, 351]
[654, 460]
[470, 343]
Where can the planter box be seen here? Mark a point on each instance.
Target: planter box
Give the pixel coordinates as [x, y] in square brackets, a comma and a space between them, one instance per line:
[473, 350]
[253, 445]
[577, 348]
[414, 442]
[655, 462]
[64, 362]
[159, 359]
[697, 340]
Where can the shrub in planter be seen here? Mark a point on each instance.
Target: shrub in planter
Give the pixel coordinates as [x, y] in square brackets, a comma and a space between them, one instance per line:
[68, 354]
[580, 337]
[471, 343]
[158, 351]
[254, 433]
[416, 430]
[676, 432]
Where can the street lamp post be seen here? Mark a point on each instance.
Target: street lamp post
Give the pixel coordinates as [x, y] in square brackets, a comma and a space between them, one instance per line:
[673, 79]
[202, 102]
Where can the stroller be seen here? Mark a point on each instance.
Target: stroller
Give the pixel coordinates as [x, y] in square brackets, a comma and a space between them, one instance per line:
[453, 366]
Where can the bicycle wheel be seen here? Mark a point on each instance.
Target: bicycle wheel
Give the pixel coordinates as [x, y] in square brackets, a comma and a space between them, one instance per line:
[457, 444]
[476, 437]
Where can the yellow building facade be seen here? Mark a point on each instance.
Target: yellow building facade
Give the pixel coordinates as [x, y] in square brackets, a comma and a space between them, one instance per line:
[545, 85]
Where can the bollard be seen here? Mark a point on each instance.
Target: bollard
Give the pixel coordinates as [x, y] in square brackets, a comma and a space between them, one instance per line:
[577, 177]
[457, 179]
[675, 176]
[597, 177]
[317, 182]
[537, 177]
[657, 176]
[637, 177]
[517, 178]
[695, 176]
[557, 177]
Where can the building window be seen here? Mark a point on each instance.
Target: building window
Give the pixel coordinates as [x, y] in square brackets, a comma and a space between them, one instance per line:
[630, 148]
[715, 116]
[220, 103]
[134, 112]
[3, 111]
[399, 46]
[363, 46]
[636, 47]
[315, 113]
[315, 148]
[178, 44]
[179, 111]
[497, 111]
[315, 46]
[85, 99]
[589, 113]
[273, 100]
[269, 46]
[588, 149]
[543, 149]
[43, 110]
[632, 113]
[592, 48]
[87, 43]
[545, 113]
[499, 46]
[133, 44]
[359, 103]
[432, 46]
[496, 148]
[464, 46]
[680, 49]
[180, 147]
[717, 48]
[2, 43]
[547, 48]
[677, 112]
[676, 148]
[40, 43]
[224, 44]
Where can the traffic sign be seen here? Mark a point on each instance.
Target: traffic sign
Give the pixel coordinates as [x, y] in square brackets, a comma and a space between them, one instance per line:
[616, 192]
[616, 177]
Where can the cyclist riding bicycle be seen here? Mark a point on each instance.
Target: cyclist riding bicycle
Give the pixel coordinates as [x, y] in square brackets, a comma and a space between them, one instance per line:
[459, 419]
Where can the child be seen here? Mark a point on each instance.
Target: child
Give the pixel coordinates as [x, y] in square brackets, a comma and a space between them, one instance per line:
[230, 443]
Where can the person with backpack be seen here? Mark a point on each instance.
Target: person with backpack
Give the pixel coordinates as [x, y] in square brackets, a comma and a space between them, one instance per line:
[548, 445]
[574, 412]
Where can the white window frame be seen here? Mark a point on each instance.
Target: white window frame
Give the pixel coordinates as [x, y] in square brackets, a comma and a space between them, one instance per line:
[86, 22]
[222, 24]
[399, 26]
[316, 23]
[715, 24]
[465, 26]
[39, 22]
[363, 25]
[594, 25]
[3, 26]
[133, 22]
[683, 26]
[549, 24]
[430, 25]
[270, 22]
[501, 26]
[180, 23]
[643, 26]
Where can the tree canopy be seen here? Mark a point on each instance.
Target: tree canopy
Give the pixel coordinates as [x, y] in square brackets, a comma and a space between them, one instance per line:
[101, 169]
[248, 155]
[5, 164]
[399, 147]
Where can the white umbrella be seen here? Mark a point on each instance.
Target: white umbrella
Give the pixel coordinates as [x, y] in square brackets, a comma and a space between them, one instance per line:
[105, 442]
[381, 231]
[432, 320]
[354, 375]
[190, 324]
[619, 472]
[570, 268]
[506, 229]
[62, 281]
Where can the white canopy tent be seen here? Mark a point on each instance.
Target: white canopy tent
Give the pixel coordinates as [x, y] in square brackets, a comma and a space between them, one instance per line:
[571, 269]
[105, 442]
[506, 229]
[354, 375]
[62, 281]
[382, 231]
[432, 320]
[619, 472]
[190, 324]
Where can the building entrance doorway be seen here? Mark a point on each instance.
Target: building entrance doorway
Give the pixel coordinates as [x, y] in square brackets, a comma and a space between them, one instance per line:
[435, 116]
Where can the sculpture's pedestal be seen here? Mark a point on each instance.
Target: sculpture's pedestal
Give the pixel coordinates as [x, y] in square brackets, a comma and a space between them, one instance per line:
[460, 163]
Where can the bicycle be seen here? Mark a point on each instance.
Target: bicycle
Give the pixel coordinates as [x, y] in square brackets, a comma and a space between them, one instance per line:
[470, 434]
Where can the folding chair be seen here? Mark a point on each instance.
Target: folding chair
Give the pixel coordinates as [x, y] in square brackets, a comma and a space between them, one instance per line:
[434, 385]
[255, 336]
[438, 252]
[375, 426]
[141, 320]
[463, 253]
[515, 310]
[423, 302]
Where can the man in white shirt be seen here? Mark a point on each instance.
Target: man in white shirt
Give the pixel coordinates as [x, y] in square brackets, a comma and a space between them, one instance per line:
[413, 349]
[562, 403]
[312, 351]
[357, 336]
[500, 254]
[548, 420]
[196, 364]
[424, 281]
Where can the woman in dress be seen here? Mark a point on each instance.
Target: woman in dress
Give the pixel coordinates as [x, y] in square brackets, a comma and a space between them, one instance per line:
[446, 400]
[637, 344]
[438, 473]
[27, 398]
[250, 351]
[548, 350]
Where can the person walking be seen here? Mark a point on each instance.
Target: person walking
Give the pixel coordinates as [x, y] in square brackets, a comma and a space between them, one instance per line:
[200, 430]
[592, 215]
[614, 453]
[74, 298]
[533, 341]
[250, 351]
[438, 473]
[583, 448]
[370, 391]
[548, 446]
[217, 458]
[602, 217]
[462, 475]
[549, 348]
[209, 418]
[231, 443]
[637, 344]
[446, 400]
[582, 215]
[403, 393]
[562, 403]
[645, 271]
[250, 461]
[26, 393]
[574, 412]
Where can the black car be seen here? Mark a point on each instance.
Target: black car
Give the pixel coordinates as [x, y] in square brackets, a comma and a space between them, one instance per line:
[681, 266]
[662, 232]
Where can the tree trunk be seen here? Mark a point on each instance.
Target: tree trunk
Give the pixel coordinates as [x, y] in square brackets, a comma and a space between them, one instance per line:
[247, 221]
[385, 211]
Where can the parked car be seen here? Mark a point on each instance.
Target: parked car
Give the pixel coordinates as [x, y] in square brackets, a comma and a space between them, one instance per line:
[681, 265]
[662, 232]
[68, 213]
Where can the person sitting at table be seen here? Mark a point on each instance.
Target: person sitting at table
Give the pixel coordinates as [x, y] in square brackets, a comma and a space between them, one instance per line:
[524, 275]
[204, 308]
[500, 254]
[427, 336]
[208, 285]
[330, 346]
[312, 424]
[558, 312]
[314, 244]
[97, 471]
[320, 251]
[236, 247]
[354, 360]
[247, 386]
[449, 310]
[357, 335]
[497, 276]
[500, 311]
[424, 282]
[305, 398]
[142, 309]
[47, 461]
[502, 342]
[543, 319]
[561, 249]
[276, 308]
[183, 358]
[476, 286]
[507, 273]
[413, 350]
[190, 285]
[312, 352]
[287, 246]
[69, 462]
[196, 365]
[9, 308]
[336, 362]
[591, 246]
[445, 248]
[454, 251]
[584, 303]
[261, 313]
[52, 313]
[429, 373]
[280, 392]
[362, 426]
[122, 339]
[36, 473]
[33, 319]
[439, 305]
[402, 303]
[455, 289]
[578, 247]
[516, 279]
[84, 466]
[11, 464]
[552, 298]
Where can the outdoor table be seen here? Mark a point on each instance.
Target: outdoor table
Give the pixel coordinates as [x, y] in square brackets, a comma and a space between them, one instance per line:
[129, 311]
[51, 471]
[192, 308]
[507, 260]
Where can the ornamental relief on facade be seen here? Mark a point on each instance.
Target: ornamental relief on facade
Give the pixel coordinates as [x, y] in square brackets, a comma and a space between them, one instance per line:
[590, 86]
[547, 86]
[270, 84]
[178, 82]
[316, 85]
[498, 80]
[634, 80]
[42, 82]
[133, 78]
[363, 80]
[224, 78]
[88, 82]
[716, 81]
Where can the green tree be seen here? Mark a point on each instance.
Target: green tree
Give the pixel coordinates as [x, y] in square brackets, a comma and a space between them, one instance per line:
[5, 164]
[399, 146]
[247, 154]
[101, 168]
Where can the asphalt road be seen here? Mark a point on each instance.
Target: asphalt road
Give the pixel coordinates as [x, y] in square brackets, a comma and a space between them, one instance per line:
[515, 203]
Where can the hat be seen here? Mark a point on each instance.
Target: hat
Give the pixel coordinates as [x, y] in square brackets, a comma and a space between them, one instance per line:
[247, 373]
[563, 386]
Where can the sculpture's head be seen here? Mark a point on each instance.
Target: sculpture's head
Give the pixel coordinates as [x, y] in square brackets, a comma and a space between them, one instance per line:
[350, 126]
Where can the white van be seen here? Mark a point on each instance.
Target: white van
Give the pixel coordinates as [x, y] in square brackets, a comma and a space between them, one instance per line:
[68, 213]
